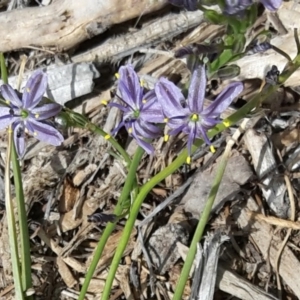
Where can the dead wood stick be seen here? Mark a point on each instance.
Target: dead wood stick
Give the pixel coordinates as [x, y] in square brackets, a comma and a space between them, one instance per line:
[152, 33]
[65, 23]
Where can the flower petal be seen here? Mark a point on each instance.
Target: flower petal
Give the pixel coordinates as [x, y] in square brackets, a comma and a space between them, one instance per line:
[125, 96]
[197, 90]
[19, 139]
[119, 106]
[201, 132]
[181, 128]
[209, 122]
[46, 111]
[223, 100]
[35, 89]
[151, 111]
[191, 137]
[9, 94]
[146, 130]
[146, 146]
[169, 96]
[129, 86]
[115, 130]
[236, 7]
[44, 132]
[6, 118]
[271, 4]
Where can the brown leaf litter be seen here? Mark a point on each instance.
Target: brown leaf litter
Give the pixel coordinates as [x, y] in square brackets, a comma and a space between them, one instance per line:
[253, 210]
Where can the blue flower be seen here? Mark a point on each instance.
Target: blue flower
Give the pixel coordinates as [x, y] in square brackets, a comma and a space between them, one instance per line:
[24, 114]
[192, 118]
[140, 110]
[190, 5]
[236, 7]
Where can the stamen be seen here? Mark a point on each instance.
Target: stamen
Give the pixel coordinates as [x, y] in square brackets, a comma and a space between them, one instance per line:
[166, 137]
[195, 117]
[226, 123]
[130, 130]
[212, 149]
[104, 102]
[166, 120]
[107, 137]
[117, 75]
[28, 90]
[142, 82]
[7, 102]
[188, 160]
[35, 133]
[144, 101]
[36, 116]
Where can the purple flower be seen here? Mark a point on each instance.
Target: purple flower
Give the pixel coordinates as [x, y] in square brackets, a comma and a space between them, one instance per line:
[190, 5]
[236, 7]
[25, 115]
[271, 5]
[190, 116]
[140, 111]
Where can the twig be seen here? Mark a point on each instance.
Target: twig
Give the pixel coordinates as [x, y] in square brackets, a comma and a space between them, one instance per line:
[289, 231]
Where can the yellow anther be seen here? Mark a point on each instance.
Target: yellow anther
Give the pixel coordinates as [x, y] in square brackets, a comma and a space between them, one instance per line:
[35, 133]
[104, 102]
[7, 102]
[117, 75]
[28, 90]
[142, 82]
[9, 130]
[226, 123]
[36, 116]
[107, 137]
[188, 160]
[144, 101]
[166, 120]
[130, 130]
[166, 137]
[212, 149]
[195, 117]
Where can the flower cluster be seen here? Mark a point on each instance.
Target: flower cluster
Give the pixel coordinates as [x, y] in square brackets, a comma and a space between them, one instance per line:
[25, 114]
[232, 7]
[142, 111]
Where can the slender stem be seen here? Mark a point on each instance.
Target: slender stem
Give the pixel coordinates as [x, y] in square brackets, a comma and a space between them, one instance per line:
[23, 225]
[205, 215]
[129, 183]
[296, 36]
[233, 119]
[94, 128]
[3, 68]
[11, 223]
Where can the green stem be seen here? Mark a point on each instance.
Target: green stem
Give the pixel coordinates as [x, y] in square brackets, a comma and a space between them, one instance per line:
[11, 224]
[199, 230]
[233, 119]
[206, 213]
[129, 183]
[92, 127]
[23, 224]
[19, 280]
[3, 69]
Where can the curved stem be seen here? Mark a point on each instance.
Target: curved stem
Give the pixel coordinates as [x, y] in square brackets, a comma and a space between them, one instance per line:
[181, 159]
[130, 181]
[94, 128]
